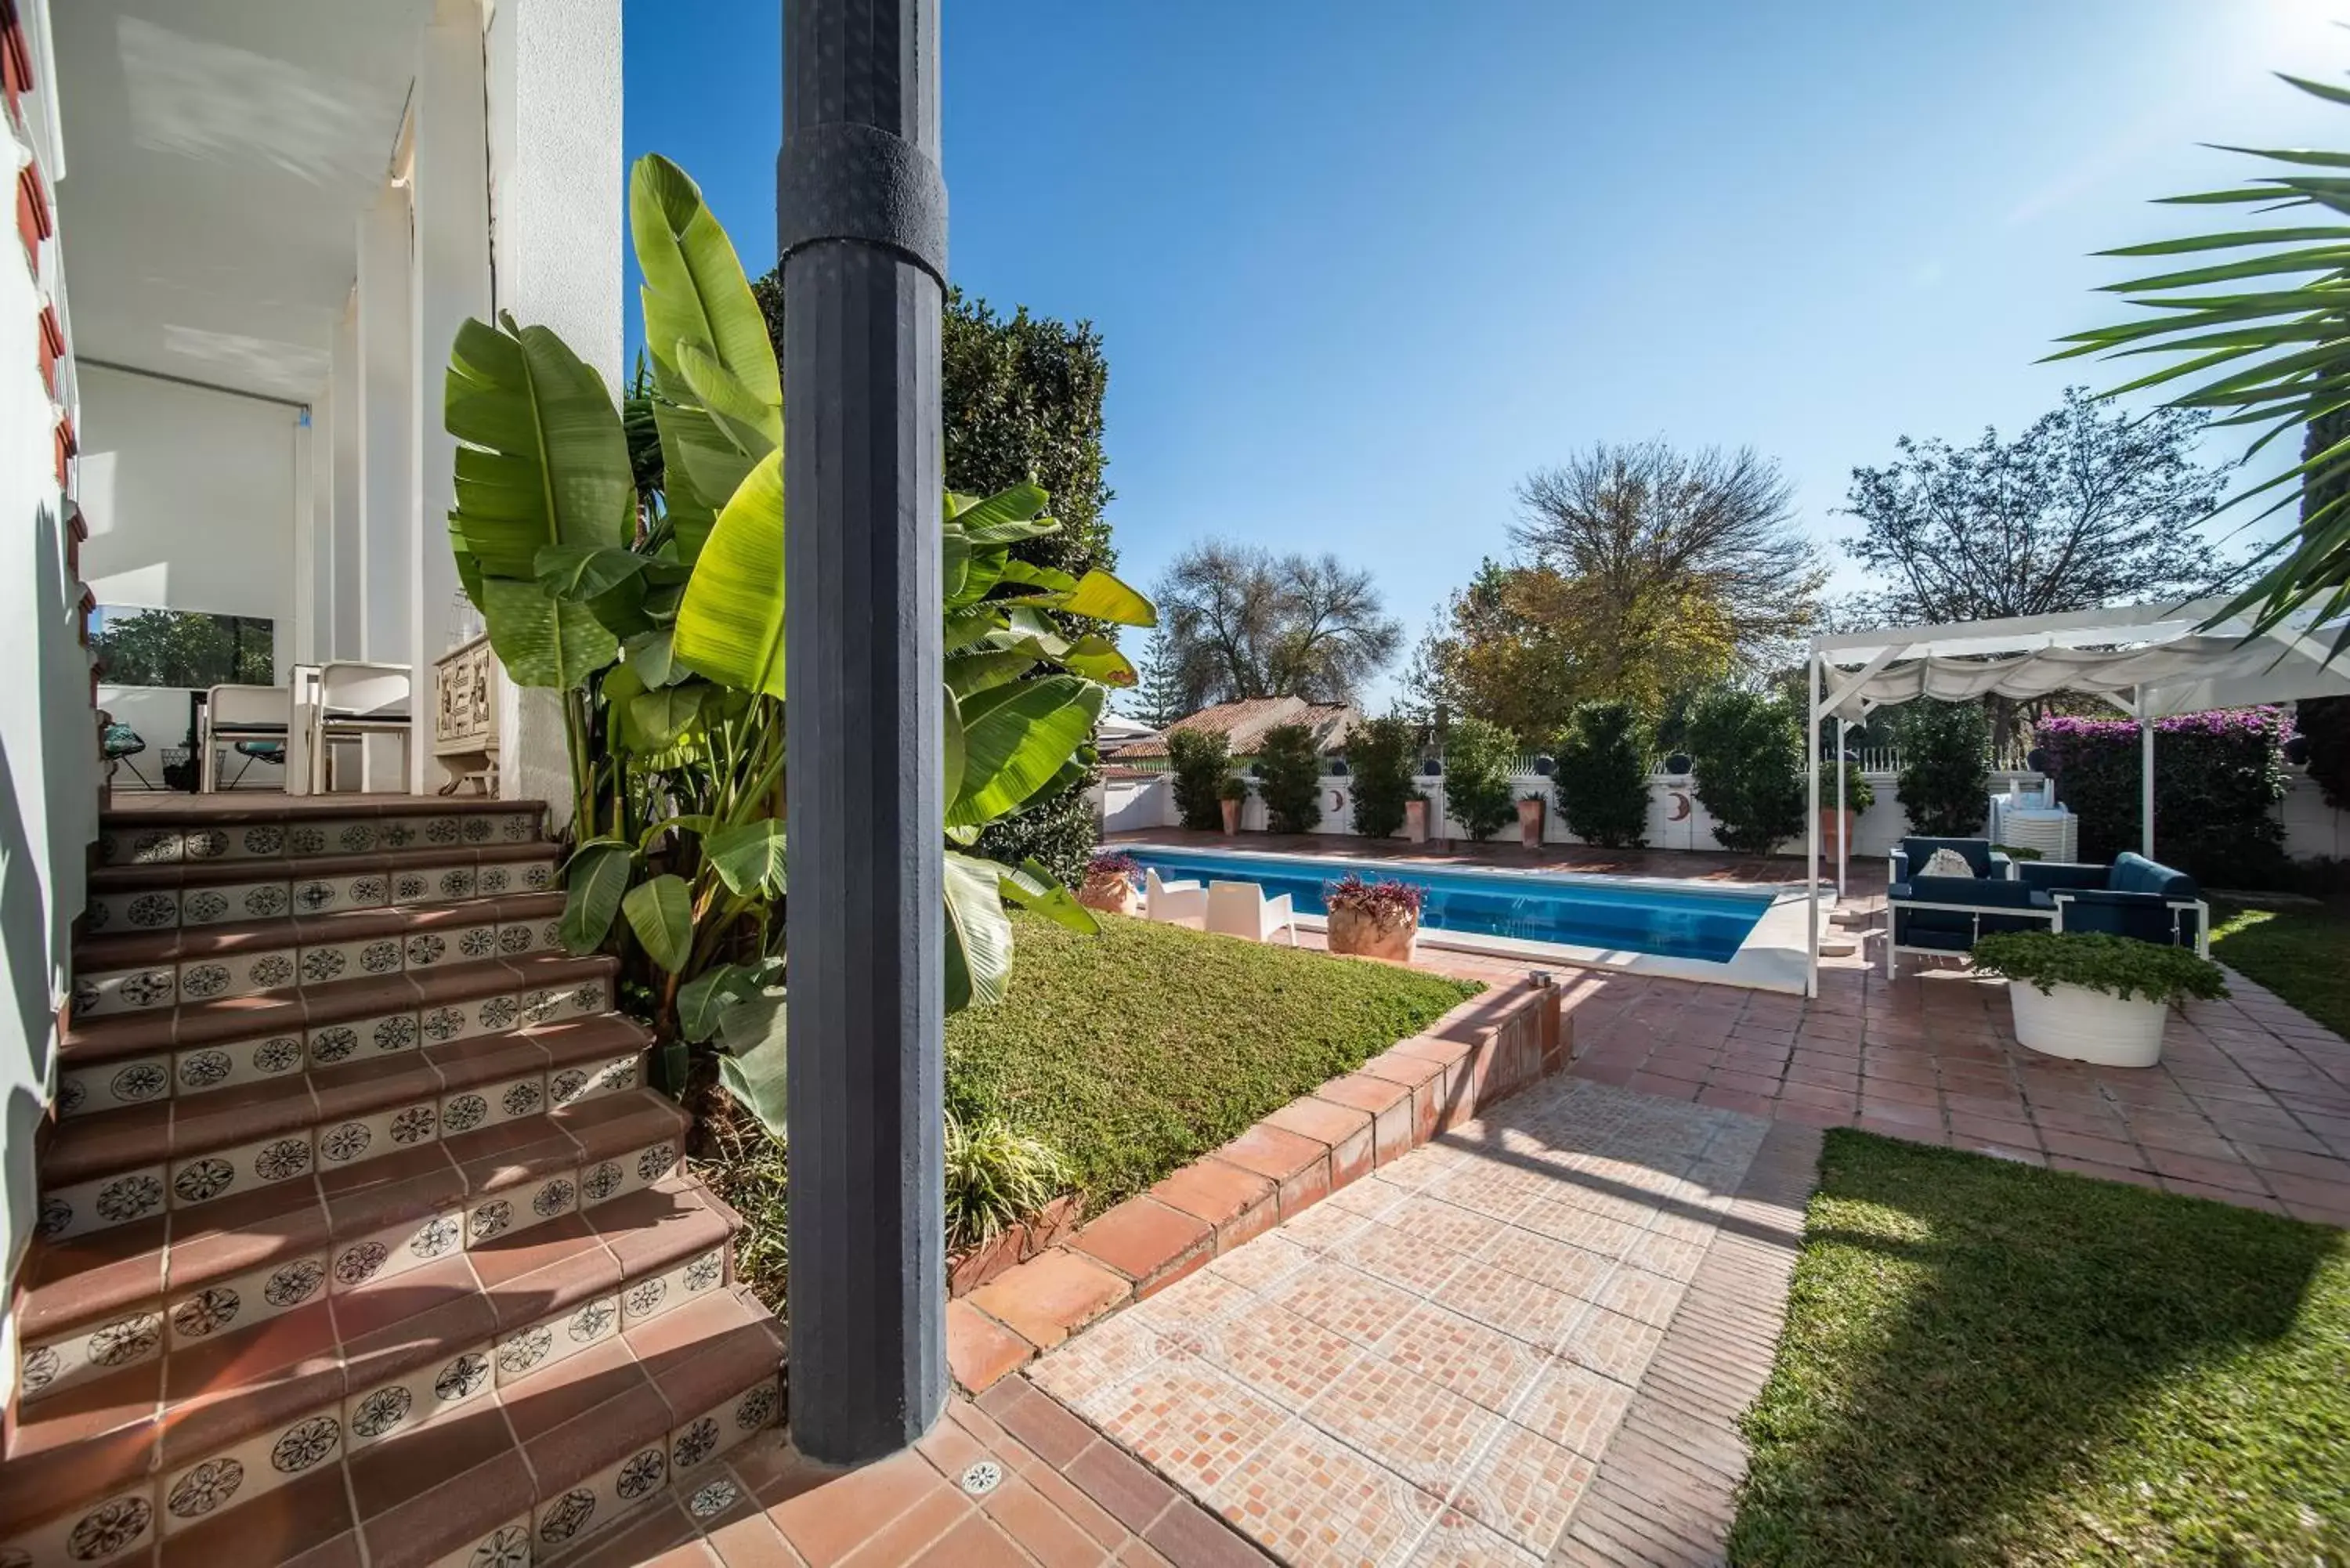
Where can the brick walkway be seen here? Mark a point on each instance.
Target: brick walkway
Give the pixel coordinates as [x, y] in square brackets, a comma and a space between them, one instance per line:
[1533, 1335]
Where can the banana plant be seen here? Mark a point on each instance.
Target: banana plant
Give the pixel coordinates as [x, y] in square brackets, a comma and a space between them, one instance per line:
[651, 594]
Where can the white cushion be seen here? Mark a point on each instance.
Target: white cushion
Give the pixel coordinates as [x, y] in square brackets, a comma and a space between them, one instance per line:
[1946, 863]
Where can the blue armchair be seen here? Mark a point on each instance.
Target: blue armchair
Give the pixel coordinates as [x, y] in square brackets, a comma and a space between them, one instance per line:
[1978, 853]
[2134, 897]
[1941, 916]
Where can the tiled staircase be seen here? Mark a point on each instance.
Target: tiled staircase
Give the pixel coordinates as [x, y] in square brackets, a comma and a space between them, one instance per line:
[361, 1239]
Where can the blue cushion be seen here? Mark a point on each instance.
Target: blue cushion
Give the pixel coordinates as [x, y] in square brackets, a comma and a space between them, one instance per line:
[2062, 873]
[2137, 874]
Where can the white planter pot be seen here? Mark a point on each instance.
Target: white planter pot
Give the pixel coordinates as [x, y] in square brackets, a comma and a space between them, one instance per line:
[2085, 1026]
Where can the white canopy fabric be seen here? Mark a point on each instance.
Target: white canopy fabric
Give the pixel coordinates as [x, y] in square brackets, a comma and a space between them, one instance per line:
[2153, 662]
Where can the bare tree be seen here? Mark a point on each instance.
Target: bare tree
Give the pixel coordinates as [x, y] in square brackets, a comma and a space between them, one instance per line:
[1241, 622]
[1651, 537]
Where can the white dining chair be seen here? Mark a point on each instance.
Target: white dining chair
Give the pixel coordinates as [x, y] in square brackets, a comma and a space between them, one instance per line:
[234, 713]
[1241, 910]
[1173, 903]
[348, 701]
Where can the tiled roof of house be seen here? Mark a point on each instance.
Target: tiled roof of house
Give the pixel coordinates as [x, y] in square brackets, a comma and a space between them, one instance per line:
[1243, 724]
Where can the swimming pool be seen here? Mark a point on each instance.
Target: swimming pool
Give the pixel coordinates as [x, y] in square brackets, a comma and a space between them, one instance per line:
[1707, 922]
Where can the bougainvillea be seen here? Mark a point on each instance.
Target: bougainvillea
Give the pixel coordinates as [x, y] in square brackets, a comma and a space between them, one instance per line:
[1387, 903]
[2217, 777]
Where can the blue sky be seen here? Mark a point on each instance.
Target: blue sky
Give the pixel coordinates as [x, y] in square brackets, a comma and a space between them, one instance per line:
[1361, 266]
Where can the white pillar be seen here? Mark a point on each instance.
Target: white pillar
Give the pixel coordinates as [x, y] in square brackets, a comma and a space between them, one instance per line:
[1811, 827]
[387, 459]
[2144, 775]
[450, 190]
[348, 558]
[558, 189]
[309, 607]
[1843, 829]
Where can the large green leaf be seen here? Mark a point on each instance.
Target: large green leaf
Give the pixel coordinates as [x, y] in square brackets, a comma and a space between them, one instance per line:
[1015, 739]
[1031, 887]
[657, 718]
[1097, 659]
[731, 626]
[694, 290]
[545, 460]
[593, 881]
[661, 914]
[749, 858]
[583, 572]
[752, 1032]
[540, 640]
[702, 1002]
[978, 932]
[1101, 596]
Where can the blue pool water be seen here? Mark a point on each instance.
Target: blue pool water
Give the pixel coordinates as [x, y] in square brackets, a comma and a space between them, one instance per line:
[1677, 921]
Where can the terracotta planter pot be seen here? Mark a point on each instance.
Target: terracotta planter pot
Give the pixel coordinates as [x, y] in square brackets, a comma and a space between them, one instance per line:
[1231, 816]
[1110, 895]
[1415, 821]
[1830, 823]
[1355, 931]
[1530, 823]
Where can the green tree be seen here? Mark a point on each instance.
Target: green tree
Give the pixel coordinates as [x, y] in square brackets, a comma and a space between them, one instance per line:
[1202, 762]
[1380, 753]
[1291, 765]
[1603, 775]
[184, 647]
[1242, 622]
[1158, 697]
[1945, 778]
[1749, 754]
[1478, 757]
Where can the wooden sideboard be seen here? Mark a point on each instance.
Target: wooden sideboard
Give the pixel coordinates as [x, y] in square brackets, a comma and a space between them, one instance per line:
[466, 717]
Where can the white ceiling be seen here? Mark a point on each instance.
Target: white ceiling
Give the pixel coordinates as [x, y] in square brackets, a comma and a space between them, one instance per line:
[218, 155]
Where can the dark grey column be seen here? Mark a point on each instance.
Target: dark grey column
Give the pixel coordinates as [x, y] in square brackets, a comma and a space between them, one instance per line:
[861, 220]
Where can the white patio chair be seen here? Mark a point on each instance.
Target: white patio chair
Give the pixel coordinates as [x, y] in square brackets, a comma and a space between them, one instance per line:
[1241, 910]
[1173, 903]
[234, 713]
[349, 702]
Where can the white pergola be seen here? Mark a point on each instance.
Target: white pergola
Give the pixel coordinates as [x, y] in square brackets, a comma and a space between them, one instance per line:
[2151, 661]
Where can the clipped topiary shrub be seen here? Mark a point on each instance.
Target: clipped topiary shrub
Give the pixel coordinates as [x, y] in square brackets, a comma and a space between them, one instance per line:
[2217, 777]
[1380, 752]
[1945, 778]
[1290, 767]
[1603, 775]
[1478, 757]
[1203, 760]
[1748, 751]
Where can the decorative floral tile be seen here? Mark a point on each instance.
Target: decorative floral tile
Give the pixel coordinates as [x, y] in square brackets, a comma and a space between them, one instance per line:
[109, 1530]
[201, 1178]
[91, 1350]
[595, 1504]
[154, 910]
[254, 1467]
[103, 1202]
[242, 1301]
[110, 1085]
[508, 1546]
[394, 1250]
[117, 990]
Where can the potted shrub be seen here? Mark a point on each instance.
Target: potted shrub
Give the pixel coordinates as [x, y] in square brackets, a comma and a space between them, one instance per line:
[2092, 997]
[1858, 796]
[1233, 793]
[1373, 919]
[1113, 883]
[1530, 818]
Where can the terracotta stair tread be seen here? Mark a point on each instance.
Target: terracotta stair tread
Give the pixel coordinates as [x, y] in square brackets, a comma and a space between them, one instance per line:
[150, 1263]
[86, 1148]
[260, 1015]
[203, 810]
[172, 944]
[165, 874]
[573, 1446]
[205, 1392]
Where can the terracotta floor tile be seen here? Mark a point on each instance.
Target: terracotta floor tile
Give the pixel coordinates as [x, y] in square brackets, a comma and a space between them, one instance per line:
[829, 1521]
[1043, 1299]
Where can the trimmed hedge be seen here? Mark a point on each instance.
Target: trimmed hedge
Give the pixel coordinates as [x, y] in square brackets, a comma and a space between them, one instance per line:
[1202, 762]
[1290, 765]
[2217, 778]
[1380, 753]
[1749, 751]
[1603, 775]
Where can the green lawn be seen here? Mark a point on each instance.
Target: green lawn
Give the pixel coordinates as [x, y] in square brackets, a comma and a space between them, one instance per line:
[2299, 953]
[1989, 1364]
[1137, 1050]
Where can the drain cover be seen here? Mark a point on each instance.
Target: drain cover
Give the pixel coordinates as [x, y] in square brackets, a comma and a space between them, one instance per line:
[981, 1476]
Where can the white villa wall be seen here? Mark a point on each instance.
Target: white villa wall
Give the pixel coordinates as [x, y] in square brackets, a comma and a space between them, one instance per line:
[48, 772]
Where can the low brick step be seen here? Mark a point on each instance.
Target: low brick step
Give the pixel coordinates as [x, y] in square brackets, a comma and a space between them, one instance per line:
[91, 1303]
[167, 834]
[210, 1047]
[220, 892]
[210, 1144]
[139, 971]
[550, 1453]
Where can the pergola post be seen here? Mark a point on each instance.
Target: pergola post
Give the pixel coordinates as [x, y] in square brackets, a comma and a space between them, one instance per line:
[2145, 773]
[861, 225]
[1812, 827]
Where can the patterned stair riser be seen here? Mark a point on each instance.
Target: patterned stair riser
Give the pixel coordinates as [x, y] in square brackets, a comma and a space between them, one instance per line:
[196, 1307]
[132, 1080]
[285, 890]
[575, 1512]
[134, 844]
[266, 966]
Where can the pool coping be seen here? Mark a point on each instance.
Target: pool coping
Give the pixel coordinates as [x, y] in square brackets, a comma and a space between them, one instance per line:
[1771, 957]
